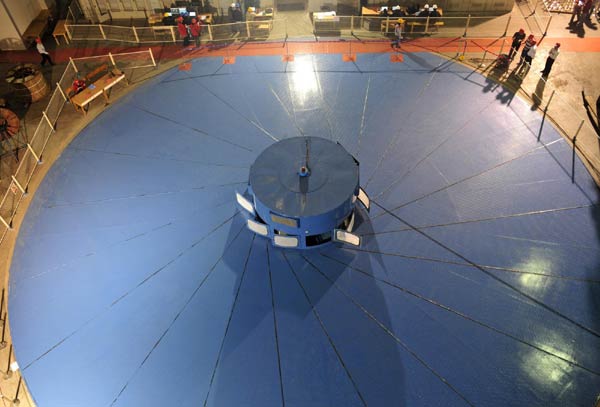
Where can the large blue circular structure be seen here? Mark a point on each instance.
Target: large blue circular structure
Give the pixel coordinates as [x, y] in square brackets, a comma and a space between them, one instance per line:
[135, 281]
[302, 189]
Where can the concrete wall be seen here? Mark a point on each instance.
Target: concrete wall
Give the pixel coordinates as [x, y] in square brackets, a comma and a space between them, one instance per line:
[15, 17]
[23, 12]
[10, 38]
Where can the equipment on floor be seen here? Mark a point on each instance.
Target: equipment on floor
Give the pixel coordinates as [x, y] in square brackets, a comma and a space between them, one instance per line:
[302, 193]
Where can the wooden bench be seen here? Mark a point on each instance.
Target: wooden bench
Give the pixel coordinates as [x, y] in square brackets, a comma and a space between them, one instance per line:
[92, 77]
[413, 24]
[101, 86]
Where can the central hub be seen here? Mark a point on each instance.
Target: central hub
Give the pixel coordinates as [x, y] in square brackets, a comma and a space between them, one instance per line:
[304, 171]
[303, 188]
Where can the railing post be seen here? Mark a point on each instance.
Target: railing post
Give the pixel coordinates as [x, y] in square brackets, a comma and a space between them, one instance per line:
[9, 228]
[210, 37]
[33, 153]
[507, 23]
[2, 308]
[135, 34]
[549, 100]
[467, 25]
[48, 120]
[482, 58]
[62, 92]
[16, 400]
[574, 146]
[547, 25]
[8, 372]
[23, 191]
[247, 29]
[102, 31]
[68, 30]
[112, 60]
[352, 25]
[387, 24]
[426, 24]
[73, 63]
[152, 56]
[173, 34]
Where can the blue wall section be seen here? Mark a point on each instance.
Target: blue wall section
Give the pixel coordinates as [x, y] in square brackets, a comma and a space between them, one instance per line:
[134, 281]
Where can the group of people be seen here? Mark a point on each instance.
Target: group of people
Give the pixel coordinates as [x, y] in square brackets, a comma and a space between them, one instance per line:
[188, 32]
[415, 10]
[582, 11]
[528, 53]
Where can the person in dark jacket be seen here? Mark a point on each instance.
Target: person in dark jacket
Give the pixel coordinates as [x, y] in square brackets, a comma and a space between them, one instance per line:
[517, 39]
[236, 16]
[577, 9]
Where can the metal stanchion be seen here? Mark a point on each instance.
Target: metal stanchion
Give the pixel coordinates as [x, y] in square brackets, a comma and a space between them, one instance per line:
[3, 320]
[547, 25]
[3, 343]
[574, 146]
[16, 400]
[481, 63]
[507, 24]
[8, 372]
[573, 160]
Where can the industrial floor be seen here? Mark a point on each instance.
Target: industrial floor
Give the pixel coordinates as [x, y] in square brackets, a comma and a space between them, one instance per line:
[134, 281]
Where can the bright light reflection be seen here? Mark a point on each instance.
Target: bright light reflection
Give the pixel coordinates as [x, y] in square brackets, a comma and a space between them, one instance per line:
[546, 369]
[303, 80]
[538, 261]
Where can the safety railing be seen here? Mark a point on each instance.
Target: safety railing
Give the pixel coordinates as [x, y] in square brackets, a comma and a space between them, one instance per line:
[442, 27]
[246, 30]
[563, 110]
[363, 27]
[32, 155]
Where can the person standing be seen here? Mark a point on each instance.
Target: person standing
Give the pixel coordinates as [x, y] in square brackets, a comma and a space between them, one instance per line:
[183, 31]
[434, 14]
[577, 6]
[586, 10]
[528, 59]
[530, 41]
[550, 60]
[195, 30]
[398, 34]
[42, 50]
[237, 17]
[517, 39]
